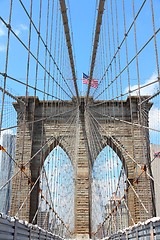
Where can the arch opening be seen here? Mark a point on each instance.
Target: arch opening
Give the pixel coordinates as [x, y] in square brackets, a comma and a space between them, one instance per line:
[109, 195]
[56, 198]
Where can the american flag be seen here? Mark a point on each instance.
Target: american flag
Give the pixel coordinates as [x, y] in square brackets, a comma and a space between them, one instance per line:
[85, 79]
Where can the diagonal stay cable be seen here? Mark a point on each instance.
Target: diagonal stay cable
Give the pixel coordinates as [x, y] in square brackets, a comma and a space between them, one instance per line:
[39, 120]
[49, 52]
[122, 197]
[143, 47]
[11, 95]
[123, 40]
[28, 85]
[35, 58]
[52, 204]
[131, 186]
[127, 122]
[110, 215]
[41, 149]
[23, 203]
[131, 91]
[92, 123]
[123, 150]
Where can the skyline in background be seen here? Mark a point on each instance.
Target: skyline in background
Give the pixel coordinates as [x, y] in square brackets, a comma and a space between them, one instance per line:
[8, 141]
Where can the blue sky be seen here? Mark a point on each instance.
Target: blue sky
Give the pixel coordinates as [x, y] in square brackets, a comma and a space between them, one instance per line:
[82, 17]
[82, 14]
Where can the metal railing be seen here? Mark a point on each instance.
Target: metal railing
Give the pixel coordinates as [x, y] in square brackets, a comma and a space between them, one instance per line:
[13, 229]
[149, 230]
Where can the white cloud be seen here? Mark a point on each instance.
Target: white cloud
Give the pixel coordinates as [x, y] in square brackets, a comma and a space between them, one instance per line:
[146, 89]
[17, 31]
[21, 27]
[149, 88]
[2, 30]
[154, 118]
[8, 131]
[2, 48]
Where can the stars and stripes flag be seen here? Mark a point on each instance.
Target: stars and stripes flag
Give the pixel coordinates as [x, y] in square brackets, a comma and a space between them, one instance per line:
[85, 79]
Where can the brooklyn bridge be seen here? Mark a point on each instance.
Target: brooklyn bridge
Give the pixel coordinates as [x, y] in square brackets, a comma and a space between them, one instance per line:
[80, 131]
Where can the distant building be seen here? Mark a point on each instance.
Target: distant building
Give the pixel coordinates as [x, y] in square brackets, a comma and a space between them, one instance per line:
[155, 149]
[43, 219]
[8, 141]
[119, 215]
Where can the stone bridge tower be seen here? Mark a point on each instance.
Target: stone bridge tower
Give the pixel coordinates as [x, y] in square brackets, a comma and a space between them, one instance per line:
[121, 141]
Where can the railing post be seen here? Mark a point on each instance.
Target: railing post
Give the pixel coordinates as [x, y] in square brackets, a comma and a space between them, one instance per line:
[46, 235]
[30, 233]
[15, 230]
[126, 235]
[119, 236]
[151, 231]
[137, 233]
[39, 233]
